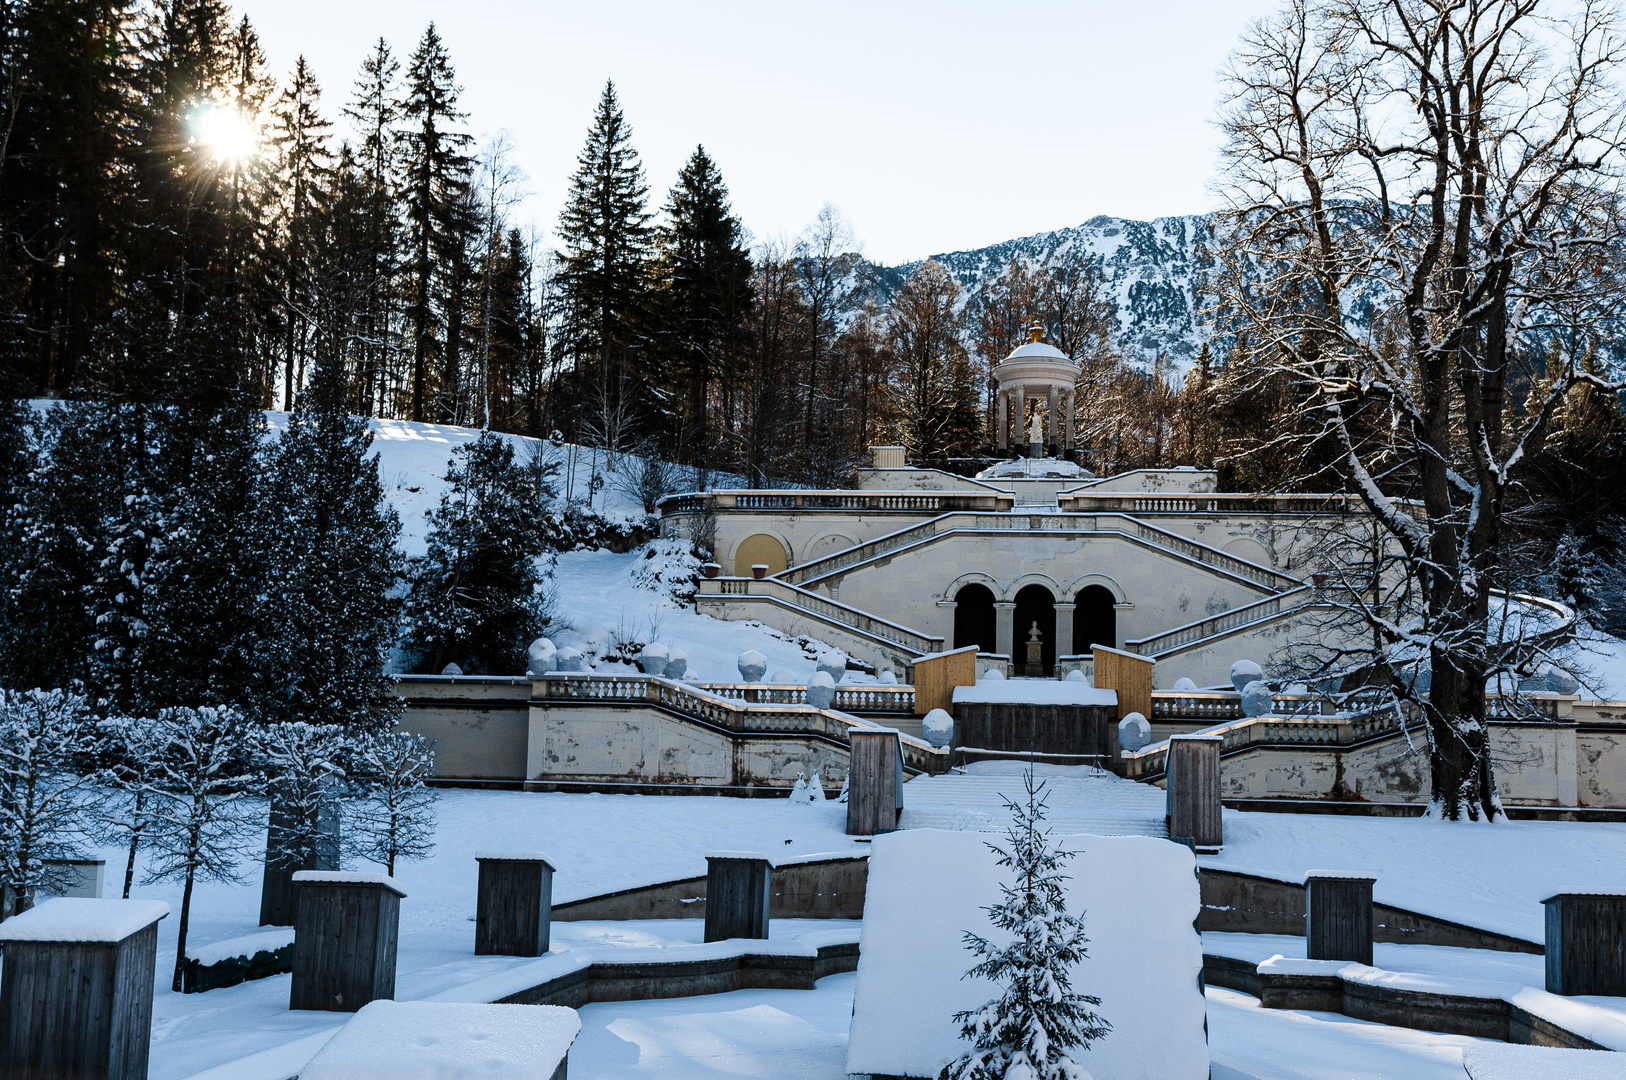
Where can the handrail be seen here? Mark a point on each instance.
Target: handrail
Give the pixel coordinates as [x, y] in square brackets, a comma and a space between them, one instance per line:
[932, 502]
[1207, 502]
[867, 697]
[1224, 705]
[1042, 522]
[587, 688]
[822, 606]
[1238, 735]
[1225, 621]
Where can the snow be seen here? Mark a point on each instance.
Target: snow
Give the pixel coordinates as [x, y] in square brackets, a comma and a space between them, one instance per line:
[754, 856]
[246, 946]
[1499, 1061]
[1341, 875]
[517, 856]
[1138, 898]
[416, 1040]
[1526, 969]
[349, 877]
[77, 918]
[1079, 800]
[1492, 876]
[1034, 692]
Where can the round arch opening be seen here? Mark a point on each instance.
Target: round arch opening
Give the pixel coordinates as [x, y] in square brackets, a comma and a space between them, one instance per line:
[1095, 618]
[760, 548]
[1035, 610]
[974, 618]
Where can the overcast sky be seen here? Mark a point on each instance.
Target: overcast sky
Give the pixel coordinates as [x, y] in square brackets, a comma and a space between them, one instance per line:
[934, 126]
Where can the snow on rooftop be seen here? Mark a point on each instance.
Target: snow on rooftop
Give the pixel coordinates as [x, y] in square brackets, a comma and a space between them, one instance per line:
[1034, 692]
[80, 918]
[418, 1040]
[516, 856]
[758, 856]
[349, 877]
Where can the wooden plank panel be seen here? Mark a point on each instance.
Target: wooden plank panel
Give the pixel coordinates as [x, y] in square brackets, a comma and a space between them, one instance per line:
[873, 795]
[512, 912]
[937, 675]
[1586, 944]
[1130, 675]
[1338, 919]
[1194, 790]
[736, 898]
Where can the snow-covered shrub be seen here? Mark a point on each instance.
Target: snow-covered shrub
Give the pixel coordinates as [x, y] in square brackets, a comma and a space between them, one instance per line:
[677, 662]
[1244, 672]
[652, 659]
[1560, 681]
[539, 658]
[821, 690]
[1038, 1021]
[394, 817]
[833, 663]
[937, 727]
[1184, 686]
[1134, 732]
[670, 568]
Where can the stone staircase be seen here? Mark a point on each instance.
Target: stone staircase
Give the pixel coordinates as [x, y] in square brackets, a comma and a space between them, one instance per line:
[1097, 803]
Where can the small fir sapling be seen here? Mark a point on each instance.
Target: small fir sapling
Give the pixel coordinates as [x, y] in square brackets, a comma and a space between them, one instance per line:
[202, 797]
[394, 817]
[47, 803]
[1029, 1031]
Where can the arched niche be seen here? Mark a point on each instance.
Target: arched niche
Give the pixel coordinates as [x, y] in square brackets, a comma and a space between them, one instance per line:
[1035, 605]
[760, 548]
[1095, 620]
[974, 618]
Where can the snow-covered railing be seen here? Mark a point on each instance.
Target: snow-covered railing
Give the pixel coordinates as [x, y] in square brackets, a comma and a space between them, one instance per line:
[1208, 503]
[1262, 611]
[1239, 735]
[917, 502]
[1225, 705]
[1528, 706]
[692, 701]
[824, 608]
[879, 698]
[1046, 523]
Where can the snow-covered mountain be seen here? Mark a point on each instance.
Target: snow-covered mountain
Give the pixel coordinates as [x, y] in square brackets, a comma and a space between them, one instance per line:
[1158, 271]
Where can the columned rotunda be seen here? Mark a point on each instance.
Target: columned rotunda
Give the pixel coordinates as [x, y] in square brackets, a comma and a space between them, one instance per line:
[1041, 373]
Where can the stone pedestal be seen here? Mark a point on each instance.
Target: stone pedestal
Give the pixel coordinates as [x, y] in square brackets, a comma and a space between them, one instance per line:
[874, 782]
[737, 894]
[514, 910]
[1338, 916]
[1194, 791]
[1586, 943]
[76, 989]
[344, 939]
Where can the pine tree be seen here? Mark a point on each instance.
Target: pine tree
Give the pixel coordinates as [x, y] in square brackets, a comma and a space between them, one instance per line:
[1031, 1029]
[705, 273]
[326, 618]
[372, 223]
[604, 270]
[476, 595]
[434, 182]
[303, 168]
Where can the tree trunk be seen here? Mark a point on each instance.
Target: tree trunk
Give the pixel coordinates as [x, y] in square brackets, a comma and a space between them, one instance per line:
[1459, 759]
[180, 943]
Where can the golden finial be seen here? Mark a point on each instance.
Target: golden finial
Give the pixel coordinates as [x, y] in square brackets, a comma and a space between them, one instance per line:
[1036, 332]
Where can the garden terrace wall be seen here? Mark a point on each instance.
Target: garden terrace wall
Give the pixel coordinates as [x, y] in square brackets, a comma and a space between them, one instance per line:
[820, 888]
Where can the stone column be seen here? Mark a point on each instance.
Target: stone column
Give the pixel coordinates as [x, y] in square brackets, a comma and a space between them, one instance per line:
[1019, 409]
[1052, 423]
[1072, 420]
[1064, 630]
[1002, 408]
[1005, 628]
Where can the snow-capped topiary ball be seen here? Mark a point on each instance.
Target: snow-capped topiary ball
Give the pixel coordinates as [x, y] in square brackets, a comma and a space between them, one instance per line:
[753, 665]
[937, 727]
[1256, 699]
[1184, 686]
[886, 678]
[821, 690]
[677, 662]
[570, 659]
[1077, 675]
[652, 661]
[1560, 681]
[451, 669]
[1134, 732]
[834, 663]
[783, 677]
[1295, 688]
[539, 657]
[991, 675]
[1244, 672]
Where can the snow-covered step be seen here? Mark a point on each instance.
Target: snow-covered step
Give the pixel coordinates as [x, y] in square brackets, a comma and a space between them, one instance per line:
[1078, 799]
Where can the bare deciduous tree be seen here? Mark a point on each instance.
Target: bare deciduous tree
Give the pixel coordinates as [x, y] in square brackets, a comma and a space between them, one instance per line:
[1421, 193]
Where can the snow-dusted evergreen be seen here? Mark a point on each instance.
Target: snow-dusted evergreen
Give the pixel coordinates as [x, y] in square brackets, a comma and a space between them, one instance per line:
[476, 597]
[1036, 1024]
[45, 798]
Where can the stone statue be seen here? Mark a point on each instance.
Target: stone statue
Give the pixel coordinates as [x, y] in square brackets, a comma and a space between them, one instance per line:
[1036, 429]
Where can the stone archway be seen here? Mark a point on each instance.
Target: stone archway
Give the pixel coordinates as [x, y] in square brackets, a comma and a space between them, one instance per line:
[760, 548]
[974, 618]
[1035, 604]
[1095, 619]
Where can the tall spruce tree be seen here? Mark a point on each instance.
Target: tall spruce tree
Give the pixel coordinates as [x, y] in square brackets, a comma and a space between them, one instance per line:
[434, 171]
[604, 270]
[326, 618]
[476, 597]
[705, 295]
[375, 226]
[303, 166]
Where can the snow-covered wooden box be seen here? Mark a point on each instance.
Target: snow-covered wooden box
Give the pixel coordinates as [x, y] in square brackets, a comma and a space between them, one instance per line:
[344, 939]
[875, 782]
[76, 989]
[1194, 790]
[514, 911]
[436, 1040]
[1338, 915]
[737, 894]
[1586, 943]
[1138, 897]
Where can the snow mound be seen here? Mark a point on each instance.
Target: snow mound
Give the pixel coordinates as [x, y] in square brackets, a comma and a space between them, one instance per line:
[1500, 1061]
[388, 1040]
